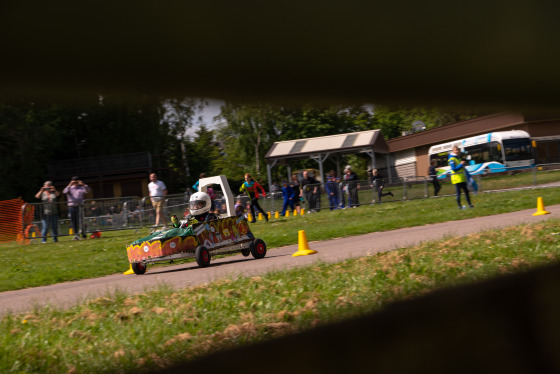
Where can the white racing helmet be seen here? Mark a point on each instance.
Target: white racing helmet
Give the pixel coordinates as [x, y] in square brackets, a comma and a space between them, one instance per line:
[199, 203]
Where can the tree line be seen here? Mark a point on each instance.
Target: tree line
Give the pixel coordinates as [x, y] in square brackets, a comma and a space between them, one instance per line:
[36, 132]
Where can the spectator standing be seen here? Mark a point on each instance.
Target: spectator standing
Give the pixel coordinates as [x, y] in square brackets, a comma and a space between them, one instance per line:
[158, 191]
[309, 187]
[252, 188]
[432, 173]
[297, 192]
[332, 191]
[289, 197]
[239, 209]
[247, 208]
[94, 210]
[136, 215]
[95, 215]
[352, 186]
[343, 192]
[212, 194]
[458, 177]
[377, 182]
[111, 215]
[223, 208]
[75, 194]
[195, 186]
[275, 191]
[48, 196]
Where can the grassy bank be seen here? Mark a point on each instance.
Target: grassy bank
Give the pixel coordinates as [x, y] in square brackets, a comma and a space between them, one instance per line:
[125, 334]
[42, 264]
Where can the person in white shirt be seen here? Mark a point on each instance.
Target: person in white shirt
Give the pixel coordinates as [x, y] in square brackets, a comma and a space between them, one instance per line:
[158, 190]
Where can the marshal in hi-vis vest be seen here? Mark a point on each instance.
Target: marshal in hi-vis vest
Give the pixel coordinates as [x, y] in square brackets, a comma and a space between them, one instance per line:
[459, 175]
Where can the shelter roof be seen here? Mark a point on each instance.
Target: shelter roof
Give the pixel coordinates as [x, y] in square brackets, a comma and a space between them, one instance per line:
[355, 142]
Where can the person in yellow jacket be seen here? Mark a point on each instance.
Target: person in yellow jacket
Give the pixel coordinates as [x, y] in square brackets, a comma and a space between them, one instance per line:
[458, 176]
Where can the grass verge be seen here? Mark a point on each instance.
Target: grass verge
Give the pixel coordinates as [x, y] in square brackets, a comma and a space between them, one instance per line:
[120, 333]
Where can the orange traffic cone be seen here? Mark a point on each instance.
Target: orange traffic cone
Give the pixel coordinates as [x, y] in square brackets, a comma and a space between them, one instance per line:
[303, 247]
[540, 208]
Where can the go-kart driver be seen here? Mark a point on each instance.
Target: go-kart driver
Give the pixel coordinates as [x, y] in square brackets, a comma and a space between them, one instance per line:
[199, 206]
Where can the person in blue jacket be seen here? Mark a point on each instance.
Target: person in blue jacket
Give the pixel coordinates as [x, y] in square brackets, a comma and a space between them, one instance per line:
[289, 196]
[195, 186]
[332, 191]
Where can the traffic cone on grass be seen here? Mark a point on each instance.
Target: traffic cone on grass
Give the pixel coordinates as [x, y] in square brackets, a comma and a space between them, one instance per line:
[129, 271]
[303, 247]
[540, 208]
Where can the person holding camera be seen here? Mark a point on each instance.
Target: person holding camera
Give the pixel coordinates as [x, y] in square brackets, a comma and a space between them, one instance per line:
[48, 194]
[75, 194]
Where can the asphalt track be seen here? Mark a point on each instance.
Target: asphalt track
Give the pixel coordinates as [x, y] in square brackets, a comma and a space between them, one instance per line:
[66, 294]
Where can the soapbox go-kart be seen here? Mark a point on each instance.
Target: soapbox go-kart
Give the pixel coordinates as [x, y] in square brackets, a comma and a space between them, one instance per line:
[227, 234]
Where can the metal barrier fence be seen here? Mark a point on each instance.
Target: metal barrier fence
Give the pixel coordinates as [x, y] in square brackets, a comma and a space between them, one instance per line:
[127, 213]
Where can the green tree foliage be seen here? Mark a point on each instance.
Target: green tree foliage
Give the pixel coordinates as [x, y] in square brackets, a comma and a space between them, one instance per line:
[203, 154]
[34, 133]
[247, 134]
[248, 131]
[393, 121]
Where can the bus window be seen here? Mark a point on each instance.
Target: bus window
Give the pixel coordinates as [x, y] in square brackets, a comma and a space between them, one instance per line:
[441, 159]
[482, 153]
[517, 149]
[495, 152]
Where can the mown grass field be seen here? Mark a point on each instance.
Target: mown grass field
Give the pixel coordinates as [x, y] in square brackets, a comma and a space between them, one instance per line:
[39, 264]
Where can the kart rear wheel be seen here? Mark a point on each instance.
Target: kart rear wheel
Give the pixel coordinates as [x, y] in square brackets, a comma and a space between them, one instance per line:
[202, 256]
[139, 268]
[258, 248]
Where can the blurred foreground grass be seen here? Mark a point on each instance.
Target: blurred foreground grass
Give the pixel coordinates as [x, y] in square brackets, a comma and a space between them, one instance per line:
[120, 333]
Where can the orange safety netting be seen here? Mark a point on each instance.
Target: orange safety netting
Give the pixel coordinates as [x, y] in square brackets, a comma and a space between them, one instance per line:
[12, 221]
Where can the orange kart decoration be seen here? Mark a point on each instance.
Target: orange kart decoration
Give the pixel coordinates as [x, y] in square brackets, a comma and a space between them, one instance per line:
[213, 234]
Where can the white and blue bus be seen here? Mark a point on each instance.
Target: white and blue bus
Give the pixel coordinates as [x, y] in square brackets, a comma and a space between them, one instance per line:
[488, 153]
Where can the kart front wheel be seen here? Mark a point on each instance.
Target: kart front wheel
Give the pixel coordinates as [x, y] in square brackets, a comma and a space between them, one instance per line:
[258, 248]
[202, 256]
[139, 268]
